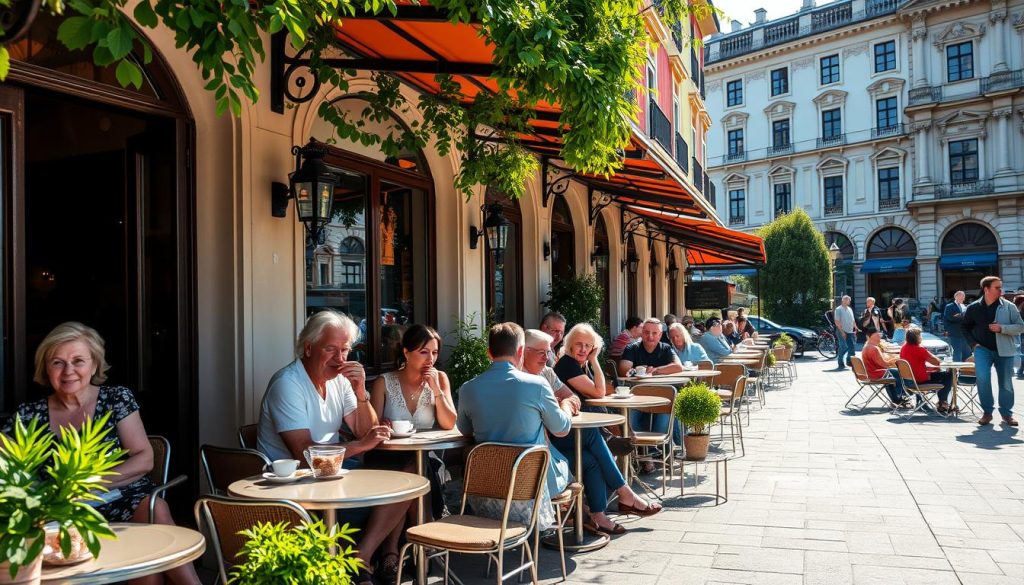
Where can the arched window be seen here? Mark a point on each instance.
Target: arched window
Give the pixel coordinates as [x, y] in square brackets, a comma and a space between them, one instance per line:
[351, 245]
[890, 266]
[846, 249]
[844, 282]
[970, 251]
[969, 238]
[892, 242]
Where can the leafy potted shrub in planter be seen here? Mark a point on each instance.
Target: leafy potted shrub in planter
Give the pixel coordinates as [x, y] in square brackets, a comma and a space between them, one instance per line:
[468, 358]
[785, 340]
[697, 407]
[277, 554]
[45, 479]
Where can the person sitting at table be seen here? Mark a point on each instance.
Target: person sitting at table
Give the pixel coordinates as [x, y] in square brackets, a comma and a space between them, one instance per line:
[880, 365]
[684, 346]
[307, 402]
[919, 358]
[419, 383]
[900, 333]
[729, 332]
[600, 474]
[507, 405]
[744, 329]
[714, 343]
[628, 335]
[71, 361]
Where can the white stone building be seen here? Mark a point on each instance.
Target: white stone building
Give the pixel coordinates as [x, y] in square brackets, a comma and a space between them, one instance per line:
[896, 124]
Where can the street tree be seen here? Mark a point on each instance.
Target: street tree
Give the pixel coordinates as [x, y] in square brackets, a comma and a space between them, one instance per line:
[796, 283]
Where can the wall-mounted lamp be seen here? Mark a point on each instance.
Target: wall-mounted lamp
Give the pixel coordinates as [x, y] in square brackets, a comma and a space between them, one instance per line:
[632, 262]
[496, 227]
[599, 258]
[673, 270]
[311, 186]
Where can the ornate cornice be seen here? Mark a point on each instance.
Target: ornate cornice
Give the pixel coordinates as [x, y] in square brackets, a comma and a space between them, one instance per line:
[1003, 112]
[958, 32]
[921, 126]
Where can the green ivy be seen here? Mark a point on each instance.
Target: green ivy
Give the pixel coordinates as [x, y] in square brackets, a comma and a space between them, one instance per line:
[277, 554]
[584, 55]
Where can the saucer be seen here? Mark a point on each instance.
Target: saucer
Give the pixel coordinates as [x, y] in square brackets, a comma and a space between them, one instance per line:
[299, 474]
[397, 435]
[341, 473]
[622, 396]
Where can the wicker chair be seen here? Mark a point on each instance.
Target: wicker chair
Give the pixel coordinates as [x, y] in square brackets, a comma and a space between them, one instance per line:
[158, 475]
[726, 382]
[658, 438]
[226, 517]
[225, 465]
[705, 365]
[780, 372]
[247, 436]
[731, 413]
[866, 383]
[926, 392]
[508, 473]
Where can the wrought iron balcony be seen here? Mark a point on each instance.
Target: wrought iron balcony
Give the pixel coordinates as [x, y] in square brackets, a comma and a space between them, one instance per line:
[963, 189]
[832, 17]
[698, 174]
[831, 210]
[779, 149]
[736, 156]
[682, 154]
[659, 126]
[708, 185]
[888, 204]
[1002, 81]
[924, 95]
[834, 140]
[882, 132]
[709, 193]
[737, 220]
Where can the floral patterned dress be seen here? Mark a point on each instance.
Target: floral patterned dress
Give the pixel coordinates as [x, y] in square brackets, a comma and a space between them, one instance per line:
[120, 402]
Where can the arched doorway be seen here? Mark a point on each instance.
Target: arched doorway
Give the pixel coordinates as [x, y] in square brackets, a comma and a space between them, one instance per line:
[844, 264]
[970, 252]
[505, 275]
[99, 227]
[602, 248]
[563, 240]
[890, 266]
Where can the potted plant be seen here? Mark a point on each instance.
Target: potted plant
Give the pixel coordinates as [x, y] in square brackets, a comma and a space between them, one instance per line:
[277, 554]
[784, 340]
[468, 358]
[45, 479]
[697, 407]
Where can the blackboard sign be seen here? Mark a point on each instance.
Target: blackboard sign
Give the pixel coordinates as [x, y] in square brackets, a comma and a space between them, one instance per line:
[707, 294]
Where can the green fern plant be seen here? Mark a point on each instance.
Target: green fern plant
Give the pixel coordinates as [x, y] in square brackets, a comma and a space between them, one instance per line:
[278, 554]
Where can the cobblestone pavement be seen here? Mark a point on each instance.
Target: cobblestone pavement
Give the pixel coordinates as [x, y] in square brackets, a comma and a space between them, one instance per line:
[826, 496]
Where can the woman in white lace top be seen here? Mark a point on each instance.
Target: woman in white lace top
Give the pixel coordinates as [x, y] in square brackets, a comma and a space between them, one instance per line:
[417, 391]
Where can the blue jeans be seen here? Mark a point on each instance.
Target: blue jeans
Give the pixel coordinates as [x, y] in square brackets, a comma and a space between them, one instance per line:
[846, 346]
[984, 360]
[600, 474]
[1020, 370]
[895, 390]
[960, 349]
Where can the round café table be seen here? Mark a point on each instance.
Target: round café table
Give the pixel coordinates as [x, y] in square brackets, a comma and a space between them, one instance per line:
[585, 420]
[676, 379]
[625, 404]
[357, 488]
[139, 550]
[421, 443]
[955, 367]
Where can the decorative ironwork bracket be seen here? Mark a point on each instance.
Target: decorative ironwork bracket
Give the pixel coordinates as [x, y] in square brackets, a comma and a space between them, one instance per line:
[556, 180]
[596, 202]
[631, 227]
[16, 19]
[283, 68]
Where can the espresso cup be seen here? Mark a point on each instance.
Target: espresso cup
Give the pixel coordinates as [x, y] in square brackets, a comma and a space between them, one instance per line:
[284, 467]
[402, 426]
[622, 390]
[640, 370]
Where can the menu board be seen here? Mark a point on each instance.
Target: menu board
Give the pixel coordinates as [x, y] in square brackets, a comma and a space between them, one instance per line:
[707, 294]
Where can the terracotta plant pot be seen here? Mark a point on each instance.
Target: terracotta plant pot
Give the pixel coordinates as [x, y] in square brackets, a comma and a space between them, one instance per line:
[27, 575]
[696, 447]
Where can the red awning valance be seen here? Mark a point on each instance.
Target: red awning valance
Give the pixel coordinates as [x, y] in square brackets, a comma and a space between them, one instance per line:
[706, 242]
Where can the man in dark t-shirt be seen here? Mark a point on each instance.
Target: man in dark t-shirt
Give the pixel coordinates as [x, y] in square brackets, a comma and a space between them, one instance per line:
[657, 358]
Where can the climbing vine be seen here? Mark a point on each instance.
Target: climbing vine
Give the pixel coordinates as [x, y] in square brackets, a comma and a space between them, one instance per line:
[584, 55]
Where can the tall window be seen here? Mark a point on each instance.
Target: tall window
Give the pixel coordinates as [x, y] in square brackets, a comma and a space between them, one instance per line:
[831, 123]
[829, 69]
[886, 115]
[833, 195]
[960, 61]
[780, 81]
[783, 198]
[734, 93]
[888, 185]
[780, 133]
[351, 273]
[735, 142]
[885, 56]
[963, 160]
[737, 205]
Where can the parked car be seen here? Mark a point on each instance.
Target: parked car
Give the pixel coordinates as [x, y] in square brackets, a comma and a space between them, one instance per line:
[805, 338]
[935, 344]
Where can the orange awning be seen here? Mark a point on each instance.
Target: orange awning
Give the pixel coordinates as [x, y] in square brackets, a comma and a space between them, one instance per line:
[706, 242]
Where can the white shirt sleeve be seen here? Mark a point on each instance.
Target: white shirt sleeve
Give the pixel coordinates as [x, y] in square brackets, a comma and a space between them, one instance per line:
[348, 396]
[285, 405]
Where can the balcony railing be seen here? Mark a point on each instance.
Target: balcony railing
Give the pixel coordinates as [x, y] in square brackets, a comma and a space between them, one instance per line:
[698, 174]
[682, 154]
[737, 45]
[709, 193]
[964, 189]
[876, 7]
[888, 204]
[708, 185]
[832, 17]
[924, 95]
[834, 140]
[737, 220]
[1002, 81]
[736, 156]
[780, 149]
[781, 32]
[660, 127]
[677, 35]
[831, 210]
[883, 131]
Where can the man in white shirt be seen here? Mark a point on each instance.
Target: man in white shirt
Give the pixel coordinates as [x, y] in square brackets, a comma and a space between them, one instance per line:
[846, 333]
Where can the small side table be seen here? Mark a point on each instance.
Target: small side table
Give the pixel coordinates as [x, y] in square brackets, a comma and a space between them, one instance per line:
[717, 458]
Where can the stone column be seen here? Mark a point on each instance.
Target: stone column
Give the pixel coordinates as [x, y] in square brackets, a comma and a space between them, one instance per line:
[1002, 146]
[920, 36]
[998, 19]
[922, 146]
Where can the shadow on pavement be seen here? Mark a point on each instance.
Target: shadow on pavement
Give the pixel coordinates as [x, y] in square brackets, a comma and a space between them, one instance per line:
[991, 438]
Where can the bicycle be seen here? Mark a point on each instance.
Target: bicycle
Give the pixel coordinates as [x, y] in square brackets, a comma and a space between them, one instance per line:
[827, 343]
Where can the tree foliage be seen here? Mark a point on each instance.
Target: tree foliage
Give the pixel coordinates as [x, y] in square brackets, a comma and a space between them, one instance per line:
[584, 55]
[796, 283]
[578, 298]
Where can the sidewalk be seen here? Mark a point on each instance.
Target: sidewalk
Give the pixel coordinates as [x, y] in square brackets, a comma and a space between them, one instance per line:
[828, 497]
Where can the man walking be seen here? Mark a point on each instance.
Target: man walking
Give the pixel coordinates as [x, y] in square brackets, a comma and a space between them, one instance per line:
[991, 325]
[846, 329]
[872, 316]
[952, 318]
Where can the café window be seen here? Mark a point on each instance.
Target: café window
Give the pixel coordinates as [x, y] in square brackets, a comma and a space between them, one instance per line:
[379, 240]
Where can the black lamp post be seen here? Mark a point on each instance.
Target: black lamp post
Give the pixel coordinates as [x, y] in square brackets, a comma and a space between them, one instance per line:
[833, 255]
[599, 258]
[311, 186]
[496, 227]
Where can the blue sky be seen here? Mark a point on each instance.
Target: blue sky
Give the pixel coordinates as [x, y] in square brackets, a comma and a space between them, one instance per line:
[743, 10]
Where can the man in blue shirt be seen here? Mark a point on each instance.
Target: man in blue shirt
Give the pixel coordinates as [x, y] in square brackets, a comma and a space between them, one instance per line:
[714, 342]
[952, 318]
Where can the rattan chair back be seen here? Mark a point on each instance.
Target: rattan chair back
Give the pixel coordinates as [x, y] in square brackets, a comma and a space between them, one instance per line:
[502, 471]
[226, 517]
[226, 465]
[730, 373]
[660, 391]
[161, 459]
[739, 388]
[247, 436]
[705, 365]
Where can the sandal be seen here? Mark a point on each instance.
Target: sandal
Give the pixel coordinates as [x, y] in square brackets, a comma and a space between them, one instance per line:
[593, 529]
[650, 510]
[388, 568]
[615, 530]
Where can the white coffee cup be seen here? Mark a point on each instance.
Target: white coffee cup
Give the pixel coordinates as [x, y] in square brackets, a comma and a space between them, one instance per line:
[402, 426]
[284, 467]
[640, 370]
[622, 390]
[688, 363]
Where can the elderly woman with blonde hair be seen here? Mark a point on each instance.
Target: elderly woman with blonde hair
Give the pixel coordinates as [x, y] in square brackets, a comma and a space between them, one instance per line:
[71, 361]
[683, 345]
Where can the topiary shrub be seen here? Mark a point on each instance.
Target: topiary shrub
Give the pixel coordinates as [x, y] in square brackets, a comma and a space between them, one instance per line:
[697, 407]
